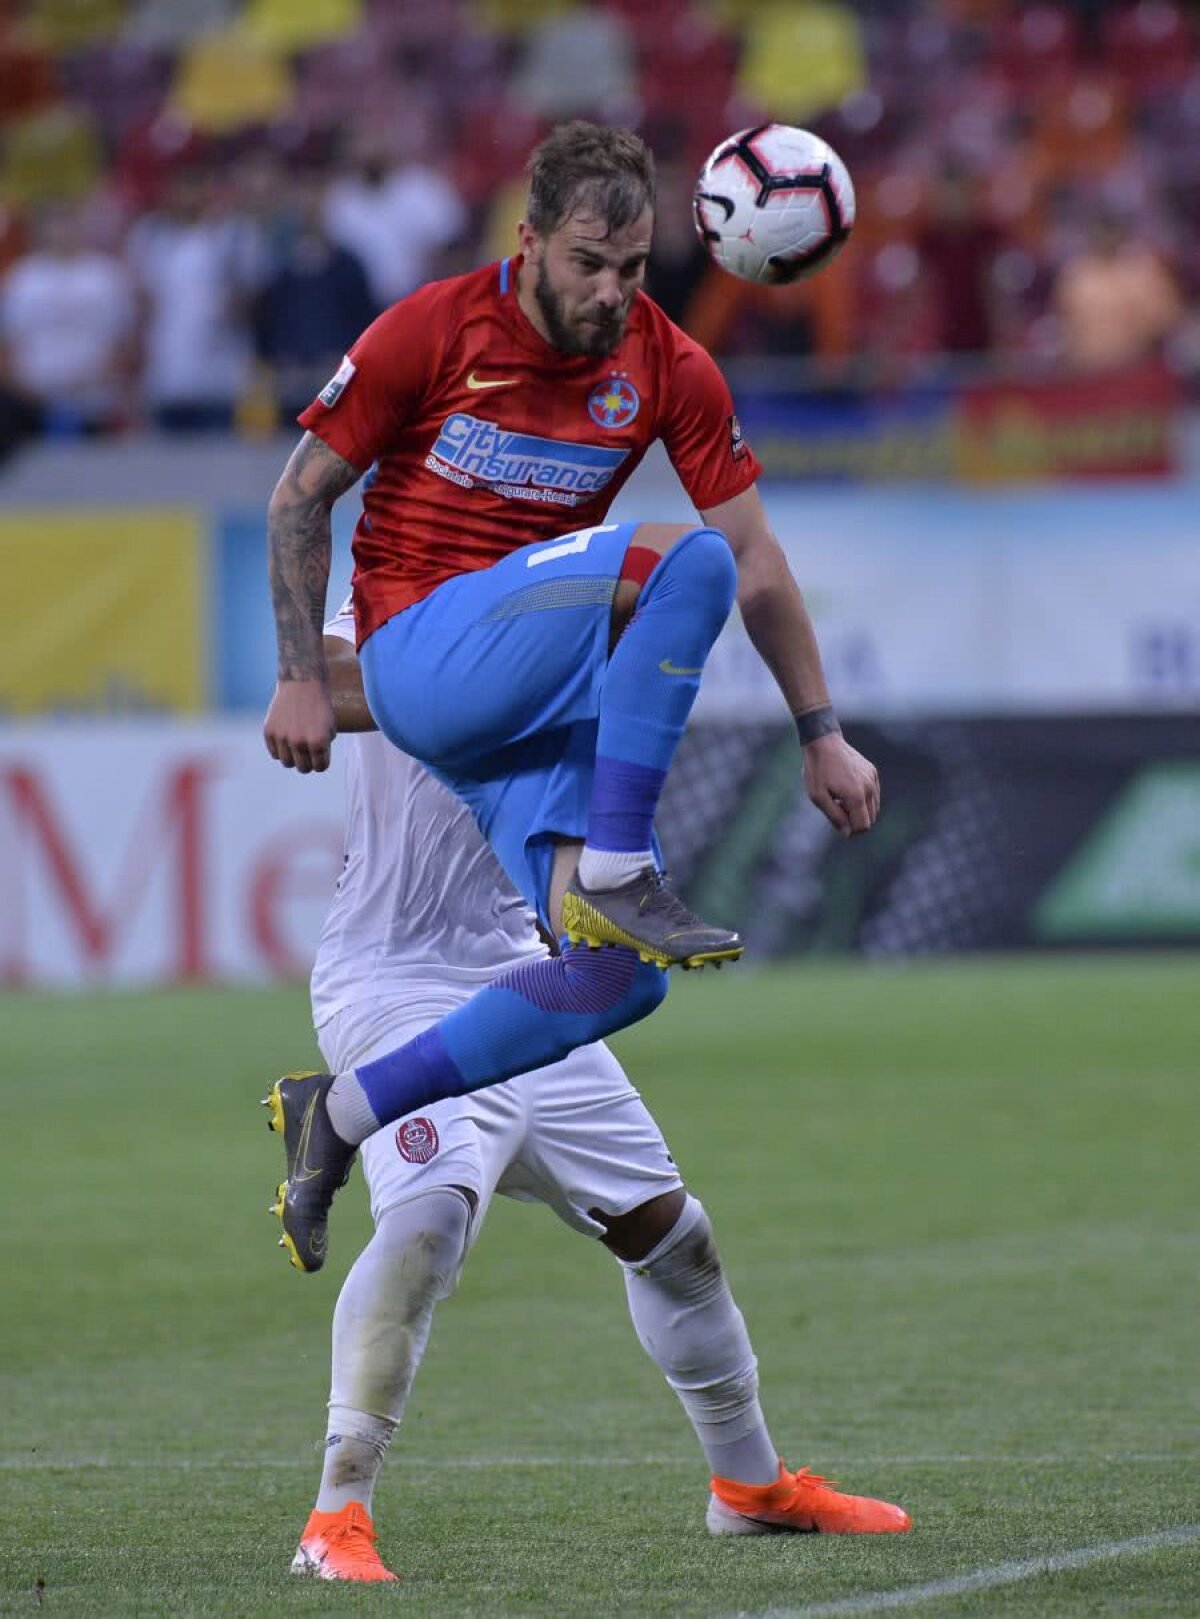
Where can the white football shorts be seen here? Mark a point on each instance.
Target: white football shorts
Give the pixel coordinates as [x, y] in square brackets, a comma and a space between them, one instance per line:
[574, 1136]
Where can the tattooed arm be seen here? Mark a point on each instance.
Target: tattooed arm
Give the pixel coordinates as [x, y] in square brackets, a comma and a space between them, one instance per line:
[300, 722]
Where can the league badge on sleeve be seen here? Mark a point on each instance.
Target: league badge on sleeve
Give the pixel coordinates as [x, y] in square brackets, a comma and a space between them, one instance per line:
[737, 442]
[613, 403]
[338, 382]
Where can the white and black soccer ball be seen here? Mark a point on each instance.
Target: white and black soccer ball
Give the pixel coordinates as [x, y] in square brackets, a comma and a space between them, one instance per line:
[773, 204]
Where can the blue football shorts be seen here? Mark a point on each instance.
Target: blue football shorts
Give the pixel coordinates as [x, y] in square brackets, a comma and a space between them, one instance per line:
[493, 682]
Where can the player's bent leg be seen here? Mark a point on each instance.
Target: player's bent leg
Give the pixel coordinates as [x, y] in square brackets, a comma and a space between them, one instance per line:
[649, 689]
[380, 1329]
[618, 895]
[687, 1320]
[484, 678]
[532, 1016]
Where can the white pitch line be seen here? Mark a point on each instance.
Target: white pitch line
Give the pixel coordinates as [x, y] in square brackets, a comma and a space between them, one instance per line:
[986, 1579]
[399, 1463]
[212, 1464]
[399, 1460]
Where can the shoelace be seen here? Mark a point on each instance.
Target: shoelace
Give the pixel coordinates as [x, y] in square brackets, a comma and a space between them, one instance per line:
[660, 897]
[806, 1476]
[349, 1536]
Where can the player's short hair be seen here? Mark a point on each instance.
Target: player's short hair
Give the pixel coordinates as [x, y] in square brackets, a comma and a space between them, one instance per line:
[589, 168]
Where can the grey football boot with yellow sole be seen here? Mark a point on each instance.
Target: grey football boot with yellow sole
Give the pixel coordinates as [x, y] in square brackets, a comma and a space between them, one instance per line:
[646, 915]
[318, 1165]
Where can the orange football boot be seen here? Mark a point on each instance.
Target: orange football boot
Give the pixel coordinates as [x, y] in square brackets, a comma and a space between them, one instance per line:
[802, 1503]
[340, 1546]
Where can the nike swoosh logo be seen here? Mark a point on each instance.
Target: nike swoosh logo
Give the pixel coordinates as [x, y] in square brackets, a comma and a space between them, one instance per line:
[476, 383]
[304, 1170]
[669, 668]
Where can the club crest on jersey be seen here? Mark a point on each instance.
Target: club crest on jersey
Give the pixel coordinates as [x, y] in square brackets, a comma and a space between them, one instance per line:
[338, 382]
[417, 1140]
[613, 403]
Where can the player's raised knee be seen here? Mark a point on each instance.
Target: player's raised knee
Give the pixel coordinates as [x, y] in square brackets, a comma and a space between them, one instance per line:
[702, 563]
[710, 553]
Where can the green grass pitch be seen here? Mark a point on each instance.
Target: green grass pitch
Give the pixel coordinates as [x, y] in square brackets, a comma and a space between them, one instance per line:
[957, 1204]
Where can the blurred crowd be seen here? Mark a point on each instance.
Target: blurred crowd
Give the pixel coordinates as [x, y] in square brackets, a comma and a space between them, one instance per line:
[202, 202]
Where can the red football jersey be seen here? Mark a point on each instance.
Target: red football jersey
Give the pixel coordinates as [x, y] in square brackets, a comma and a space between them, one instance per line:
[485, 438]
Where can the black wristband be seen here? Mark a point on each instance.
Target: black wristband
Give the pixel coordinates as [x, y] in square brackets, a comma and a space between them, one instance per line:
[817, 722]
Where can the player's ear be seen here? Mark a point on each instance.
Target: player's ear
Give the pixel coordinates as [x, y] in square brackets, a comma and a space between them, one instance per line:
[530, 242]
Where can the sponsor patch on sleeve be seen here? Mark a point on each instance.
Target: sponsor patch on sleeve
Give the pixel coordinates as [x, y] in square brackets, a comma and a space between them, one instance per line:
[737, 443]
[338, 382]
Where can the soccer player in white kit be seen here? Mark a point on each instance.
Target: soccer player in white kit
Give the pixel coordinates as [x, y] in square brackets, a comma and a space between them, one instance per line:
[422, 917]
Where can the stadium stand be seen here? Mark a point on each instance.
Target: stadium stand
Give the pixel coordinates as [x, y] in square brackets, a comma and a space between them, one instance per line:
[1045, 117]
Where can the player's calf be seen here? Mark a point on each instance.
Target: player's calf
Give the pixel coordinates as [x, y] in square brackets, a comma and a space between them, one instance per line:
[652, 681]
[687, 1321]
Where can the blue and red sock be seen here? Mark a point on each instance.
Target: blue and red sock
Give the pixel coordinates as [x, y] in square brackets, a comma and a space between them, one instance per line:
[534, 1015]
[652, 681]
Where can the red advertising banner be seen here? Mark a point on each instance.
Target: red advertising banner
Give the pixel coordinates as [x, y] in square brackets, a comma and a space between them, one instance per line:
[1117, 424]
[149, 852]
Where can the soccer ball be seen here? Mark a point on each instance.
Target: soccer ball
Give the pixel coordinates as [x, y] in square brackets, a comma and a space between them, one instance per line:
[773, 204]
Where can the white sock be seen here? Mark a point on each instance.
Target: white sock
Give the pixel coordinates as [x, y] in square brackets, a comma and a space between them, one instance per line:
[380, 1329]
[355, 1446]
[349, 1111]
[688, 1323]
[609, 868]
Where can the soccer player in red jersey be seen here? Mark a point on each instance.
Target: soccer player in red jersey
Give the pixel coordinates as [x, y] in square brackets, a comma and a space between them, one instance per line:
[495, 609]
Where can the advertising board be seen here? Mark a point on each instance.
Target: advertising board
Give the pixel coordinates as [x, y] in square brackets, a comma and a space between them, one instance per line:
[146, 852]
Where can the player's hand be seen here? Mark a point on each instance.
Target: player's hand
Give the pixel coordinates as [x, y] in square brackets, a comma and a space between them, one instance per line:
[299, 726]
[842, 784]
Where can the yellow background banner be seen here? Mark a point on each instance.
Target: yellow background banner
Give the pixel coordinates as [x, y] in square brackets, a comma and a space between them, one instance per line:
[105, 611]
